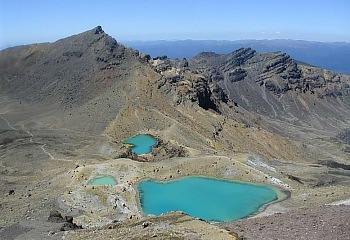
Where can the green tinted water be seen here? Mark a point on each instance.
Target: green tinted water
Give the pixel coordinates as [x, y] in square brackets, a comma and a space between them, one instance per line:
[106, 180]
[142, 144]
[206, 198]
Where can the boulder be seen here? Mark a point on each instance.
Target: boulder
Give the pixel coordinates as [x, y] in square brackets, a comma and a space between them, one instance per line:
[56, 217]
[68, 226]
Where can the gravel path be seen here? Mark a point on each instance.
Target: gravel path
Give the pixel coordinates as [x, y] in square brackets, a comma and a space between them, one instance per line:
[322, 222]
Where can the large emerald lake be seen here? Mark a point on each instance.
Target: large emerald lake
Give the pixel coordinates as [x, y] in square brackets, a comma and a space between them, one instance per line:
[206, 198]
[142, 144]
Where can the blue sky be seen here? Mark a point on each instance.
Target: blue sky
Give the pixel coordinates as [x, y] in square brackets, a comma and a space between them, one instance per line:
[29, 21]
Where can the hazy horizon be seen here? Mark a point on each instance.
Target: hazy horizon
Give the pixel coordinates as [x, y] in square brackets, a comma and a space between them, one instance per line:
[36, 21]
[183, 40]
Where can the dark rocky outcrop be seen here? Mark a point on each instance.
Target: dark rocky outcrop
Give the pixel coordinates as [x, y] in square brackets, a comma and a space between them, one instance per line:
[186, 85]
[68, 224]
[238, 58]
[334, 164]
[56, 217]
[98, 30]
[237, 75]
[163, 150]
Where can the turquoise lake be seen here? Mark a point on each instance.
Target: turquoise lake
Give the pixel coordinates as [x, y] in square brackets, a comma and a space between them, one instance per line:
[206, 198]
[142, 144]
[106, 180]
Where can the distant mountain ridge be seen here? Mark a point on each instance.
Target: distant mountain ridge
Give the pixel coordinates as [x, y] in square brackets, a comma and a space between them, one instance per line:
[272, 85]
[332, 56]
[83, 69]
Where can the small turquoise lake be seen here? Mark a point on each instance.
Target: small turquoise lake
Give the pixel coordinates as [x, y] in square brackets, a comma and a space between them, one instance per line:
[142, 144]
[105, 180]
[206, 198]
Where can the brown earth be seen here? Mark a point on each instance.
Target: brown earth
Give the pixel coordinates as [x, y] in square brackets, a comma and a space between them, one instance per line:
[321, 222]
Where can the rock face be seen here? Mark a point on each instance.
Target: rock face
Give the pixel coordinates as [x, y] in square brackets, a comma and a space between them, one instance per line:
[185, 85]
[56, 217]
[277, 72]
[276, 86]
[269, 84]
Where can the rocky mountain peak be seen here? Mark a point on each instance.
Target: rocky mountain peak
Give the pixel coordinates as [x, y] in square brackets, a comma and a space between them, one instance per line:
[98, 30]
[68, 71]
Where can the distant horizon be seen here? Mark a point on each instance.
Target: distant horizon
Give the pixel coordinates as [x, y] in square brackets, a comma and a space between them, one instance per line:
[37, 21]
[236, 40]
[175, 40]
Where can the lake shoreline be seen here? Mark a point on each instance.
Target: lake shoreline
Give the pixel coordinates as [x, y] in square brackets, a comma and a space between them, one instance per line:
[129, 173]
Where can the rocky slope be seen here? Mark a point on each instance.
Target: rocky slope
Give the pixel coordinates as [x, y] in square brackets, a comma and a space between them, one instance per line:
[275, 86]
[271, 85]
[70, 71]
[67, 107]
[326, 222]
